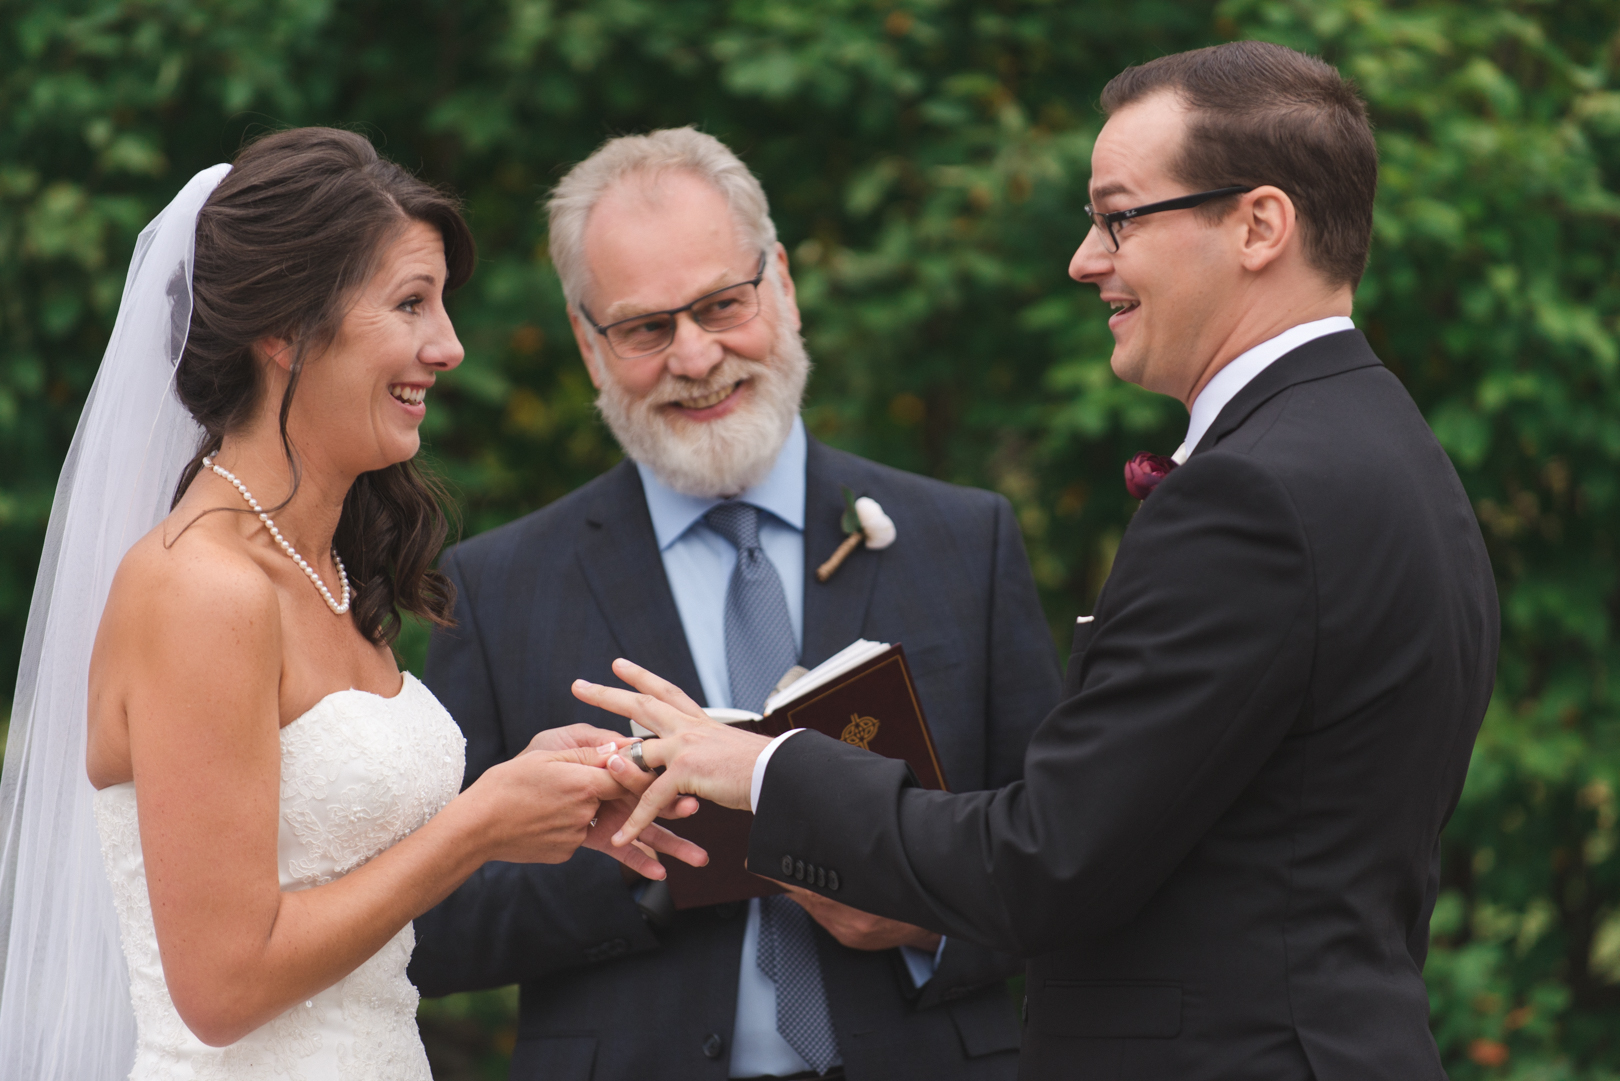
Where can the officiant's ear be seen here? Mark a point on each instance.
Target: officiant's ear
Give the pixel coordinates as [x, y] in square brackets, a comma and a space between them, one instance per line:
[590, 345]
[789, 294]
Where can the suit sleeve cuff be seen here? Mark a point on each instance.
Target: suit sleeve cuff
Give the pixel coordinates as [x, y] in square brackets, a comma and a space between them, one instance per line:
[760, 763]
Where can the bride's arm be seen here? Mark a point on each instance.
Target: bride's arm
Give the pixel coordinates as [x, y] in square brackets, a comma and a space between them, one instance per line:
[204, 655]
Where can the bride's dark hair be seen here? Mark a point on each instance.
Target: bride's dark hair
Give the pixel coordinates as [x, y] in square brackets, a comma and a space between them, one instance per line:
[283, 244]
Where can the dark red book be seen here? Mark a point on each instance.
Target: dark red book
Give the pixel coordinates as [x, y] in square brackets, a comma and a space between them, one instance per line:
[864, 696]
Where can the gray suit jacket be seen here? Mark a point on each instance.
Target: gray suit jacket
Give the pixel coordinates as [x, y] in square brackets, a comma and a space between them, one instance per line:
[560, 593]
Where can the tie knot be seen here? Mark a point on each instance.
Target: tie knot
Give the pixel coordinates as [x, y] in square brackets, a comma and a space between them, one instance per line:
[737, 522]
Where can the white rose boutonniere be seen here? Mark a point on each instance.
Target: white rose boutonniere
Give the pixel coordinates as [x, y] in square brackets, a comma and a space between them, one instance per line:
[863, 520]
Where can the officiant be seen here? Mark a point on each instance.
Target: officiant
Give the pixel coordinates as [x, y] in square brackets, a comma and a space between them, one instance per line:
[696, 556]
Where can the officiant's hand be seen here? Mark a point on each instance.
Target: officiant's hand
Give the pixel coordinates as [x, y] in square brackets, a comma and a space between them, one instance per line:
[861, 930]
[702, 757]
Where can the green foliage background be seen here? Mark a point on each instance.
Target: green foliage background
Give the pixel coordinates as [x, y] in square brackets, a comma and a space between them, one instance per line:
[926, 162]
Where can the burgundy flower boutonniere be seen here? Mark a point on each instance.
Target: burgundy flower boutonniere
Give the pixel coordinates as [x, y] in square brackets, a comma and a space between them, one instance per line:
[1144, 472]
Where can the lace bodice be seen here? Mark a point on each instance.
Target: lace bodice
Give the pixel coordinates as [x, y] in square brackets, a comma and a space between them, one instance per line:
[358, 774]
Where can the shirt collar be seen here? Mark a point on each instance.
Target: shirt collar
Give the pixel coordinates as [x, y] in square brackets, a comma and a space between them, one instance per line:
[1238, 374]
[781, 493]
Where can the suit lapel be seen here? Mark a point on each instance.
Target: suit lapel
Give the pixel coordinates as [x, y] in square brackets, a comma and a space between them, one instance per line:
[618, 554]
[834, 610]
[1331, 354]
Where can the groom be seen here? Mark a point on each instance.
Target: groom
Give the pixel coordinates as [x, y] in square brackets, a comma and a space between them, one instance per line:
[684, 313]
[1223, 856]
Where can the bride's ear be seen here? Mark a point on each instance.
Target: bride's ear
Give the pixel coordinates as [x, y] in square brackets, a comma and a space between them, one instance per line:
[277, 351]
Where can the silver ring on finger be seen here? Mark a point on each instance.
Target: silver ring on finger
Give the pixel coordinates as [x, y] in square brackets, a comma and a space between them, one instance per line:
[641, 763]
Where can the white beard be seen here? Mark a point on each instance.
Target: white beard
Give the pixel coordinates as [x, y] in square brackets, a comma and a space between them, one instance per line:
[720, 457]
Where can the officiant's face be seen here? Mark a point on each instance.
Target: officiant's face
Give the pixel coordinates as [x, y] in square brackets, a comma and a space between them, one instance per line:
[1173, 277]
[709, 411]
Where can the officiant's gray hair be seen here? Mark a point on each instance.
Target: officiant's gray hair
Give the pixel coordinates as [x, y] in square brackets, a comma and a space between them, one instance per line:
[647, 157]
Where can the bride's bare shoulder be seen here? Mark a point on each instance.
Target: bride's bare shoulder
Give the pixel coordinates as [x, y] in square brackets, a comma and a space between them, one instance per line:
[199, 569]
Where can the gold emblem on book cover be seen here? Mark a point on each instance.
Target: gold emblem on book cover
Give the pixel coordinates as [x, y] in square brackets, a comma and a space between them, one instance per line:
[860, 731]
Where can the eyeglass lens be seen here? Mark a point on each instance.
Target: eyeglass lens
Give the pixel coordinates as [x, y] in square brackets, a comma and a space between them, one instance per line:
[1104, 227]
[653, 334]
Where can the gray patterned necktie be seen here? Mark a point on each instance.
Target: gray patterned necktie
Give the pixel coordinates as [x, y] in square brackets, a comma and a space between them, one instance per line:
[759, 633]
[759, 649]
[787, 954]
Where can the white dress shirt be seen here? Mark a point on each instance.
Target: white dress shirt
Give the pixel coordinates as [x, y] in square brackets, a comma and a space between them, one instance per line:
[1225, 384]
[698, 563]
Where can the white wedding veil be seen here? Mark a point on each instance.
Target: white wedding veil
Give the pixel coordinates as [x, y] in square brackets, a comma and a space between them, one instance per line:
[64, 991]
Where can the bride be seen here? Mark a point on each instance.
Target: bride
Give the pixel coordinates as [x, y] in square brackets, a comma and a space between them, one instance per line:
[275, 800]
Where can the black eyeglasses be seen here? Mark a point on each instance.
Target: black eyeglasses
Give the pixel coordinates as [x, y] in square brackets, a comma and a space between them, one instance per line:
[723, 309]
[1105, 222]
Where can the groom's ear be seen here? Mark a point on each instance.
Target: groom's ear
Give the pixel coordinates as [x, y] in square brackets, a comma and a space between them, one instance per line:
[277, 351]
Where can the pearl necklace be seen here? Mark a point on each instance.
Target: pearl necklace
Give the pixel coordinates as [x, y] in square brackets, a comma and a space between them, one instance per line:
[292, 553]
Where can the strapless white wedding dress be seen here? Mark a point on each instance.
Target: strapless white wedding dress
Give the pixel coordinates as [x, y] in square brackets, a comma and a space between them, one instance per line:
[358, 774]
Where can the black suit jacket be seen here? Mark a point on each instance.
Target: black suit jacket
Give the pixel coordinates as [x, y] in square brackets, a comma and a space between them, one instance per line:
[1223, 856]
[560, 593]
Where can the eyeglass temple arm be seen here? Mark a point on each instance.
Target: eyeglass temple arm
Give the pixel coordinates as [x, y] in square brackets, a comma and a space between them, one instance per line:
[1178, 203]
[764, 260]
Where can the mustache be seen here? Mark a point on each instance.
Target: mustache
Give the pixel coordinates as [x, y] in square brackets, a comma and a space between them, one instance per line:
[676, 389]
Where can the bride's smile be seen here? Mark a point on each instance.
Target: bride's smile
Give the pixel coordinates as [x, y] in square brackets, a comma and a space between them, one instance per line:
[364, 397]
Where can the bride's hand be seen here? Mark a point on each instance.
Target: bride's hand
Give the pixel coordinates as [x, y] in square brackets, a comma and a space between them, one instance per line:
[574, 736]
[538, 807]
[579, 736]
[640, 855]
[544, 804]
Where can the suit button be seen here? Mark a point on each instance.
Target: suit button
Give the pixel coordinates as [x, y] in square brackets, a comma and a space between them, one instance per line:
[832, 881]
[713, 1045]
[798, 870]
[787, 866]
[821, 877]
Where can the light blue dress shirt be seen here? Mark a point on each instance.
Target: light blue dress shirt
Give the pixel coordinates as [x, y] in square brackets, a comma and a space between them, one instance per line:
[698, 563]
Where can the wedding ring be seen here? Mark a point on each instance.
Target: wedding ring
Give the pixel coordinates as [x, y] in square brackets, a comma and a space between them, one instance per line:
[641, 763]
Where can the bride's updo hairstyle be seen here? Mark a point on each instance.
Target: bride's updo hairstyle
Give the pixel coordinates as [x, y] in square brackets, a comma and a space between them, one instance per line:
[284, 245]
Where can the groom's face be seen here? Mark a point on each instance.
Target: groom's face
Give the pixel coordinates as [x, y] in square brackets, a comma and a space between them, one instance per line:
[1172, 280]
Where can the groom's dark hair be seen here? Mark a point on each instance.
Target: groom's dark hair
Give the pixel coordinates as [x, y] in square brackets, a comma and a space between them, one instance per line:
[1266, 114]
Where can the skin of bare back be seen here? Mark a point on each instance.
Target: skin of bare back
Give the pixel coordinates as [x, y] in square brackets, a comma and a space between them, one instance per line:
[212, 640]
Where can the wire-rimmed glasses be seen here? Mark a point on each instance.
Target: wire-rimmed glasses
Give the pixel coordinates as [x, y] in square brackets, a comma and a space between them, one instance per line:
[652, 332]
[1105, 222]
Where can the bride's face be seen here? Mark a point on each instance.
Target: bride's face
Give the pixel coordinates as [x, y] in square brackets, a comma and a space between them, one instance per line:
[363, 399]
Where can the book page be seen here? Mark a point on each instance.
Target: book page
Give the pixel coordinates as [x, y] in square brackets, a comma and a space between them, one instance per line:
[850, 657]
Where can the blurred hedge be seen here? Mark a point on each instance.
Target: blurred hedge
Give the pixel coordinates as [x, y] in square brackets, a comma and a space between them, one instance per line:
[926, 162]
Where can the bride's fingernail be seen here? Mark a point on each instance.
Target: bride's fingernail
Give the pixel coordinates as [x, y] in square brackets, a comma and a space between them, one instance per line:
[606, 747]
[616, 764]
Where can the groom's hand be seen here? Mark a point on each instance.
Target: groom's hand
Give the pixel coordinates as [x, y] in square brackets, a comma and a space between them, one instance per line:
[702, 757]
[582, 737]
